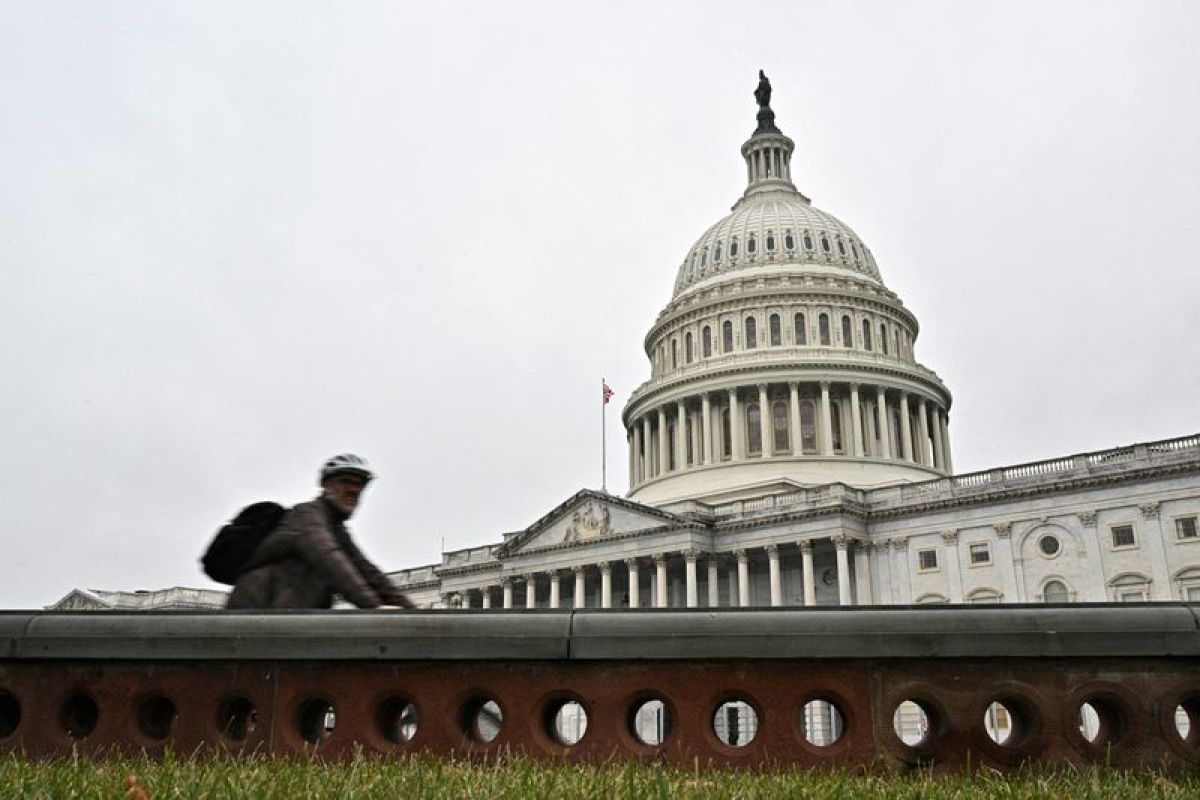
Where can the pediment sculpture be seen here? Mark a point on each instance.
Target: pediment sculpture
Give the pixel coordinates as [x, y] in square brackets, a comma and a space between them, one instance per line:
[589, 521]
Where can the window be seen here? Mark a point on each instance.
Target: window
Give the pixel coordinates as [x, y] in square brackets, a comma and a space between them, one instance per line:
[733, 248]
[847, 333]
[841, 247]
[835, 417]
[1131, 596]
[674, 354]
[981, 553]
[854, 248]
[751, 333]
[687, 429]
[775, 332]
[779, 423]
[1122, 536]
[926, 560]
[982, 596]
[754, 430]
[825, 244]
[770, 241]
[823, 328]
[706, 341]
[1185, 528]
[703, 257]
[751, 245]
[687, 347]
[726, 435]
[801, 333]
[808, 242]
[1130, 587]
[727, 337]
[671, 447]
[1055, 592]
[1049, 545]
[808, 427]
[883, 337]
[788, 242]
[717, 254]
[866, 326]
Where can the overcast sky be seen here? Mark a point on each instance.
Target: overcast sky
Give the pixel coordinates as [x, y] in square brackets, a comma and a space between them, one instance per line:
[237, 238]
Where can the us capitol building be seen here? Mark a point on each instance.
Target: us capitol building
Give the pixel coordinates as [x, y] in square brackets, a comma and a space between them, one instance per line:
[788, 449]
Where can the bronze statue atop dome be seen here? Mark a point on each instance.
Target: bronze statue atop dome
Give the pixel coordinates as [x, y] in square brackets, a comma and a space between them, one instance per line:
[766, 117]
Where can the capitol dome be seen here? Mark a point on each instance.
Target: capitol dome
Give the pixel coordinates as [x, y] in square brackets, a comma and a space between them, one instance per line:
[781, 358]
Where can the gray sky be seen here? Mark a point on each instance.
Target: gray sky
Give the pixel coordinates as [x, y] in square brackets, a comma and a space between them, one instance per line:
[237, 238]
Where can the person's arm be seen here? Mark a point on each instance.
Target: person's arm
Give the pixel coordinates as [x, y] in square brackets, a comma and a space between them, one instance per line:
[388, 593]
[316, 543]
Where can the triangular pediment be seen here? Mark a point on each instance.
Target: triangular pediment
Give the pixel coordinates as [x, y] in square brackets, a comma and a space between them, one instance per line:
[589, 516]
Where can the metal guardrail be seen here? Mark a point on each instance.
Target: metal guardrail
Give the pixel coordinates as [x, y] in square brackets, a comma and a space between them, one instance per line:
[750, 687]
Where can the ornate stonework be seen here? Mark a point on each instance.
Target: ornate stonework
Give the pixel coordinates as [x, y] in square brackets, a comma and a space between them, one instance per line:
[590, 521]
[1088, 518]
[1149, 510]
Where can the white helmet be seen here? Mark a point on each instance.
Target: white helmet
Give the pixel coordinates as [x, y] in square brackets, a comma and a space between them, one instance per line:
[346, 462]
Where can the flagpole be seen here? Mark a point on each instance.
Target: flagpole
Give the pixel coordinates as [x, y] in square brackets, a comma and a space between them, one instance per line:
[603, 438]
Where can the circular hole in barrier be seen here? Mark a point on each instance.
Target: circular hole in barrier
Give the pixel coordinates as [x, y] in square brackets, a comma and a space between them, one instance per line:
[651, 722]
[822, 723]
[1101, 721]
[735, 723]
[155, 716]
[397, 720]
[911, 722]
[10, 715]
[482, 720]
[999, 723]
[1187, 720]
[79, 716]
[1010, 720]
[237, 718]
[568, 722]
[316, 720]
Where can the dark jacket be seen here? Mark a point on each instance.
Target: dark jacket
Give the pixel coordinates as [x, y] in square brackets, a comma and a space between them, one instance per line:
[305, 560]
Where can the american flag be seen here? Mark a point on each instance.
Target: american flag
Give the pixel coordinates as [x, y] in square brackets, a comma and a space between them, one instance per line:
[608, 392]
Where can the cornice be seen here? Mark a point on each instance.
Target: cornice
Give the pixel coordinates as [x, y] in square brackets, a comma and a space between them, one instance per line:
[616, 537]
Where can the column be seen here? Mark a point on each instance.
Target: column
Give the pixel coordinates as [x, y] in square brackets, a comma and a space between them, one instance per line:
[923, 431]
[826, 421]
[862, 573]
[944, 425]
[842, 543]
[714, 588]
[647, 443]
[735, 426]
[605, 584]
[660, 576]
[680, 436]
[706, 427]
[794, 400]
[776, 584]
[635, 587]
[487, 596]
[506, 586]
[938, 461]
[856, 421]
[689, 558]
[580, 595]
[810, 587]
[632, 462]
[885, 436]
[743, 568]
[555, 590]
[764, 422]
[905, 428]
[636, 475]
[664, 442]
[530, 591]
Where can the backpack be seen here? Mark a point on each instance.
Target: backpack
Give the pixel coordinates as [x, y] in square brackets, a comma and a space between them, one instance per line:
[233, 546]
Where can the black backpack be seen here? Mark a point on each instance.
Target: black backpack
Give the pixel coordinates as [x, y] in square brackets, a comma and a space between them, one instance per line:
[233, 546]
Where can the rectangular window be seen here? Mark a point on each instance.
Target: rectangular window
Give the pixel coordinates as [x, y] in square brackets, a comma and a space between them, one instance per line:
[1192, 593]
[926, 560]
[1185, 528]
[1131, 596]
[1122, 536]
[981, 553]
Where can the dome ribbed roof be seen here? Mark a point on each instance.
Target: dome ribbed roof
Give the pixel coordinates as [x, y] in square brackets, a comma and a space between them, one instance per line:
[784, 218]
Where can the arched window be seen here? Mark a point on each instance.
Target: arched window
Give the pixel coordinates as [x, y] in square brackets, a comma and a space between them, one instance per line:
[932, 600]
[703, 257]
[801, 330]
[1130, 587]
[823, 328]
[789, 242]
[883, 337]
[726, 435]
[847, 333]
[753, 430]
[835, 420]
[841, 247]
[706, 341]
[1055, 591]
[717, 254]
[854, 249]
[687, 347]
[825, 244]
[984, 597]
[733, 248]
[674, 354]
[751, 333]
[776, 333]
[727, 337]
[808, 427]
[751, 245]
[779, 425]
[770, 241]
[866, 334]
[808, 242]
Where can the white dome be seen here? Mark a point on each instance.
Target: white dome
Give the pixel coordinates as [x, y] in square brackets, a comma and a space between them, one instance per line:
[785, 229]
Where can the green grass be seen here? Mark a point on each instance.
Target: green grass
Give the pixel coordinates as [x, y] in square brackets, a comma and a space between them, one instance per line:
[141, 779]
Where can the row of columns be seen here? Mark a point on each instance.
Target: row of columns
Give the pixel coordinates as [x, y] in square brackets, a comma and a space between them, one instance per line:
[659, 598]
[649, 444]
